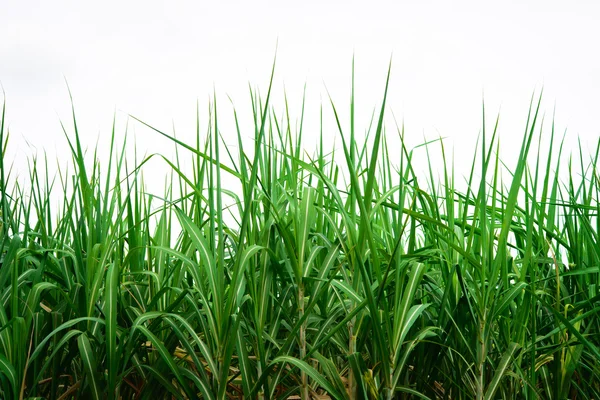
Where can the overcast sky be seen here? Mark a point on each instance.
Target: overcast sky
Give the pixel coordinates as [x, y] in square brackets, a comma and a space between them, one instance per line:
[155, 59]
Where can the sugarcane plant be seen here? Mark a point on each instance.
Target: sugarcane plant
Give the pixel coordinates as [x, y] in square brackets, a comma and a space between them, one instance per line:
[279, 270]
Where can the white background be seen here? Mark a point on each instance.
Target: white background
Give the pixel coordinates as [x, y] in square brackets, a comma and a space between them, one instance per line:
[155, 59]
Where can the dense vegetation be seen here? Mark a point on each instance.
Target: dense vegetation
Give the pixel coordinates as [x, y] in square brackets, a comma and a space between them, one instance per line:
[299, 284]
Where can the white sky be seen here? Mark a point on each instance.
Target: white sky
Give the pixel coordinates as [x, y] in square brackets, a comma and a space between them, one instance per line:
[154, 59]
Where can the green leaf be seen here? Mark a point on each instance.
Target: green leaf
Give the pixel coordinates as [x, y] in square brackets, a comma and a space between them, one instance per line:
[7, 369]
[110, 313]
[311, 372]
[89, 364]
[505, 362]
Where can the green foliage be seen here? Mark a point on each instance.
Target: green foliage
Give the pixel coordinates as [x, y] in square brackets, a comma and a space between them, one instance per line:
[393, 286]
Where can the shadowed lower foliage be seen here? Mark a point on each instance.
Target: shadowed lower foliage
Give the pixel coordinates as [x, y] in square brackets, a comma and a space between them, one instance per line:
[313, 279]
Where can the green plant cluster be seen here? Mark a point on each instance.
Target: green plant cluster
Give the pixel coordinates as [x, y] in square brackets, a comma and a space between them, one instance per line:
[386, 286]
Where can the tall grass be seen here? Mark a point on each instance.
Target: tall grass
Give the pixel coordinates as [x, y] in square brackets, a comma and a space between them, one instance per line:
[394, 285]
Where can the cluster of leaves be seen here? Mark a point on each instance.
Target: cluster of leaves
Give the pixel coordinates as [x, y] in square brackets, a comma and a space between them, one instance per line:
[391, 286]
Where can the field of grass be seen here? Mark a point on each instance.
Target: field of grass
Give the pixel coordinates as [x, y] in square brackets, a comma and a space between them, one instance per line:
[317, 279]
